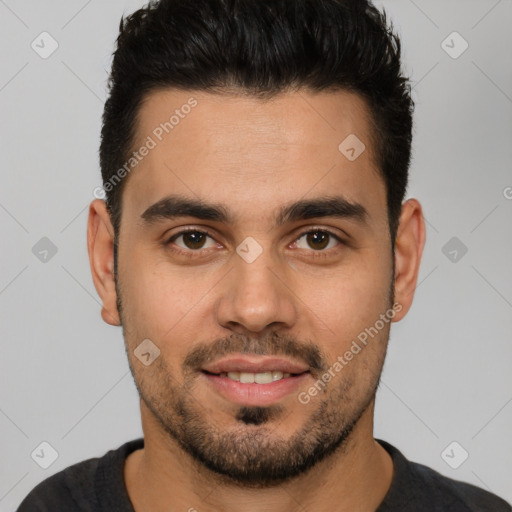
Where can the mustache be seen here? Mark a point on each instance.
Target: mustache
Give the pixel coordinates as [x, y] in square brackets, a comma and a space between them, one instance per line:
[270, 345]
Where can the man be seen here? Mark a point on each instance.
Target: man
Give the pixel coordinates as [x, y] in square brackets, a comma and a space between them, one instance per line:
[255, 247]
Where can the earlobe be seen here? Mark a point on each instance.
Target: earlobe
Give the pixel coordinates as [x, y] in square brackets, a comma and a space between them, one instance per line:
[409, 244]
[100, 246]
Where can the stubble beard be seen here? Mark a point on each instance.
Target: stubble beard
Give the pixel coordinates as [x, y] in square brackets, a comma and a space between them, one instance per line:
[252, 454]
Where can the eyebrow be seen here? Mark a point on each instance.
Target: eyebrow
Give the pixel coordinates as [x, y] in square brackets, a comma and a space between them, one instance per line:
[175, 206]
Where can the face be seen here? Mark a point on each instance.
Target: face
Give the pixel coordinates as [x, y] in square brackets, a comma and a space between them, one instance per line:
[256, 258]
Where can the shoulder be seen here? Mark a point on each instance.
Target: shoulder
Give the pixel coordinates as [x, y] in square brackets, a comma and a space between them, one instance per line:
[418, 487]
[456, 494]
[69, 489]
[81, 486]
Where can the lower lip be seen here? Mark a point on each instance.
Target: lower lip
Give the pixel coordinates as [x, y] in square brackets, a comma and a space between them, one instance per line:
[255, 394]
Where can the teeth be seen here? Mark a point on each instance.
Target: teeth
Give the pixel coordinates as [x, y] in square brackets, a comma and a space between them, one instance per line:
[246, 378]
[264, 378]
[258, 378]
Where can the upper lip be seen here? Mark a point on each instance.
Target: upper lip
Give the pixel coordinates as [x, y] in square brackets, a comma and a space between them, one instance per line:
[254, 364]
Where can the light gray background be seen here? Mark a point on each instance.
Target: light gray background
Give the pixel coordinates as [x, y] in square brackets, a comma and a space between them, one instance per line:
[64, 377]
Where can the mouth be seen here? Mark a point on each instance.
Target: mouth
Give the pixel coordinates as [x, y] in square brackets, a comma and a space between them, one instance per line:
[255, 378]
[256, 381]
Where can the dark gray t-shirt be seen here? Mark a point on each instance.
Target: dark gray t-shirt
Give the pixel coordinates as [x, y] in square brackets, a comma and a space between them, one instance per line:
[97, 485]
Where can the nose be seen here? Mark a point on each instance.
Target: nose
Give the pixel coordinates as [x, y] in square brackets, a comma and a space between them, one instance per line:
[256, 298]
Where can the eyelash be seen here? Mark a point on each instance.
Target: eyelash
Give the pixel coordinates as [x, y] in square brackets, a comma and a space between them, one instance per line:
[198, 253]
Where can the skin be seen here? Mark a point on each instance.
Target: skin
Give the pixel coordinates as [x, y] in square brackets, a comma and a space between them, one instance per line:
[253, 157]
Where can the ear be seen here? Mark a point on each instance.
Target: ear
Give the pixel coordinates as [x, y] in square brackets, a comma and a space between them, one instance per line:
[100, 245]
[409, 244]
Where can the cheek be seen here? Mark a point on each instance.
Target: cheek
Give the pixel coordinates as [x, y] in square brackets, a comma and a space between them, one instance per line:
[160, 305]
[348, 301]
[145, 294]
[164, 304]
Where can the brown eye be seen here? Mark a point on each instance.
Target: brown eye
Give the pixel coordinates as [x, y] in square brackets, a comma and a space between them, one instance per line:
[192, 240]
[317, 240]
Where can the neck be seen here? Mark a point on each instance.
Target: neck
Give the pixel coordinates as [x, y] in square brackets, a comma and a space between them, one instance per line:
[355, 477]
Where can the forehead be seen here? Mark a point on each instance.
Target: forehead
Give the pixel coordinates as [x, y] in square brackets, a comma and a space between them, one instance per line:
[242, 148]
